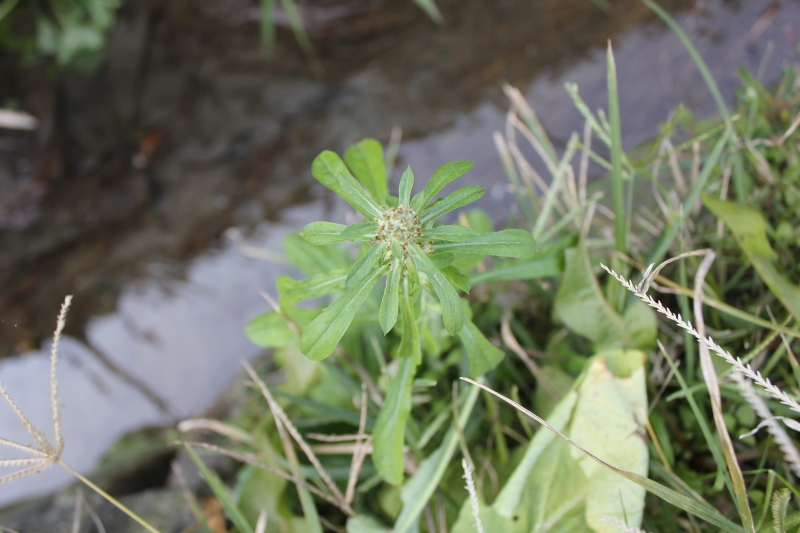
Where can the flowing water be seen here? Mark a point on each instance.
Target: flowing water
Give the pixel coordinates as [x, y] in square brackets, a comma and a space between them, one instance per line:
[124, 194]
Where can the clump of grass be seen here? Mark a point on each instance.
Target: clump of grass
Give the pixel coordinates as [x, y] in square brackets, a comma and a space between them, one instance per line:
[43, 454]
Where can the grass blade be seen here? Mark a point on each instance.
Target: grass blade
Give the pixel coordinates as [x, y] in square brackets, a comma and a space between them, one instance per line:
[221, 492]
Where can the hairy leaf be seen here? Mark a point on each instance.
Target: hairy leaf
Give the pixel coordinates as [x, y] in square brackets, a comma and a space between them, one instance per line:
[365, 264]
[291, 291]
[444, 175]
[389, 433]
[323, 233]
[409, 341]
[391, 297]
[506, 243]
[330, 170]
[456, 199]
[365, 159]
[406, 184]
[452, 312]
[360, 232]
[450, 233]
[321, 336]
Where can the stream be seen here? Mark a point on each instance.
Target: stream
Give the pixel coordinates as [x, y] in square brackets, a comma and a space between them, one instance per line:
[126, 194]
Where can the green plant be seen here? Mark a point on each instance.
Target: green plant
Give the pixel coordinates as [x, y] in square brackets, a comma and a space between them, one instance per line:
[67, 30]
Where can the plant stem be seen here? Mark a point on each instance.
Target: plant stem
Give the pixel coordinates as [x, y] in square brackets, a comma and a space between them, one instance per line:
[108, 497]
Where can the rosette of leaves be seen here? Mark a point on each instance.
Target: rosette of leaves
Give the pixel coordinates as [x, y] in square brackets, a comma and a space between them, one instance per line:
[400, 241]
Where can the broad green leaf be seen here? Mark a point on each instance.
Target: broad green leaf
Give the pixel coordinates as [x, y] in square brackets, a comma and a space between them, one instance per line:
[450, 233]
[390, 301]
[366, 263]
[454, 200]
[221, 492]
[558, 488]
[416, 492]
[478, 221]
[323, 233]
[409, 342]
[270, 330]
[444, 175]
[581, 306]
[483, 355]
[310, 258]
[361, 231]
[365, 524]
[452, 312]
[640, 322]
[406, 184]
[321, 336]
[749, 229]
[506, 243]
[330, 170]
[459, 280]
[291, 291]
[365, 159]
[389, 433]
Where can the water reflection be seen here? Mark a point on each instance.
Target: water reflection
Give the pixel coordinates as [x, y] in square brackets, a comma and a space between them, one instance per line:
[157, 328]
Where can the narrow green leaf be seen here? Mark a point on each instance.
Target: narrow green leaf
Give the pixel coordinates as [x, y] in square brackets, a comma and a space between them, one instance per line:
[221, 492]
[360, 232]
[444, 175]
[749, 228]
[409, 342]
[406, 184]
[321, 336]
[330, 170]
[323, 233]
[364, 265]
[450, 233]
[620, 213]
[454, 200]
[420, 487]
[391, 297]
[389, 433]
[452, 312]
[292, 291]
[483, 355]
[508, 243]
[301, 36]
[365, 159]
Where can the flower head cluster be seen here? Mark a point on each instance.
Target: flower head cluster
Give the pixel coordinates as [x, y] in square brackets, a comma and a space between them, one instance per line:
[402, 225]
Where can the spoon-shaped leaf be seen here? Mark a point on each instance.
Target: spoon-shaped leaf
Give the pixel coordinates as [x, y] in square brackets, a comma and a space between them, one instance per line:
[365, 159]
[323, 233]
[446, 173]
[406, 184]
[507, 243]
[456, 199]
[330, 170]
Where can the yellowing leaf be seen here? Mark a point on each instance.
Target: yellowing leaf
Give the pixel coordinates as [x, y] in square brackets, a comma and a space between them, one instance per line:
[556, 487]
